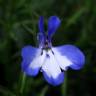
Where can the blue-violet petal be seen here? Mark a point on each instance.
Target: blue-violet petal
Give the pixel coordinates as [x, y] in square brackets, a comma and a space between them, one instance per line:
[74, 54]
[53, 24]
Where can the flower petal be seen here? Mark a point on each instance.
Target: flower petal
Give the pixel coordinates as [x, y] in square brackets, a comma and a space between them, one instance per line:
[51, 70]
[62, 60]
[74, 57]
[38, 60]
[56, 81]
[28, 52]
[41, 34]
[32, 60]
[28, 70]
[41, 24]
[53, 24]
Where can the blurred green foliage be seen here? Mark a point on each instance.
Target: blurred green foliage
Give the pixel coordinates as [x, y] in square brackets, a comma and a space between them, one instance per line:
[18, 27]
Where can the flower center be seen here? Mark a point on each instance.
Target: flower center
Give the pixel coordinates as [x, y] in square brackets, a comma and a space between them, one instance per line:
[46, 45]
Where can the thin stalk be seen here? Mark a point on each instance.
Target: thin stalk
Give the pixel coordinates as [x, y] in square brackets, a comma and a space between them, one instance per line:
[64, 86]
[23, 81]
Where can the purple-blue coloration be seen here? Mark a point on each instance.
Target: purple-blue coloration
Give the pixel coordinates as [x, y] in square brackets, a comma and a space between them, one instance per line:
[50, 60]
[28, 53]
[41, 24]
[53, 24]
[28, 70]
[53, 81]
[74, 54]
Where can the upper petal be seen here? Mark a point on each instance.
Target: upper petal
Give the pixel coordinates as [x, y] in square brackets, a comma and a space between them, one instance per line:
[41, 39]
[72, 56]
[41, 24]
[51, 70]
[53, 24]
[41, 34]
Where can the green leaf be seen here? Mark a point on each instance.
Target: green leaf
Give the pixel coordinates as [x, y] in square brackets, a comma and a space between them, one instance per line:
[75, 17]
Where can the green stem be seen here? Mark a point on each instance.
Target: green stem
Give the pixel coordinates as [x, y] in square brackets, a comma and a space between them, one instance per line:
[22, 83]
[64, 86]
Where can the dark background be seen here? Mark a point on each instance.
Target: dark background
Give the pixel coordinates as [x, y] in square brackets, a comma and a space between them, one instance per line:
[18, 27]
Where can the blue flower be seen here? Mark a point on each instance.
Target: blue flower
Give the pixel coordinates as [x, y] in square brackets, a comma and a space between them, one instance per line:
[51, 61]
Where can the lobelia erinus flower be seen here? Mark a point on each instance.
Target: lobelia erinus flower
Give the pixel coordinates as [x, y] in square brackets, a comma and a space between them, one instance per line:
[51, 61]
